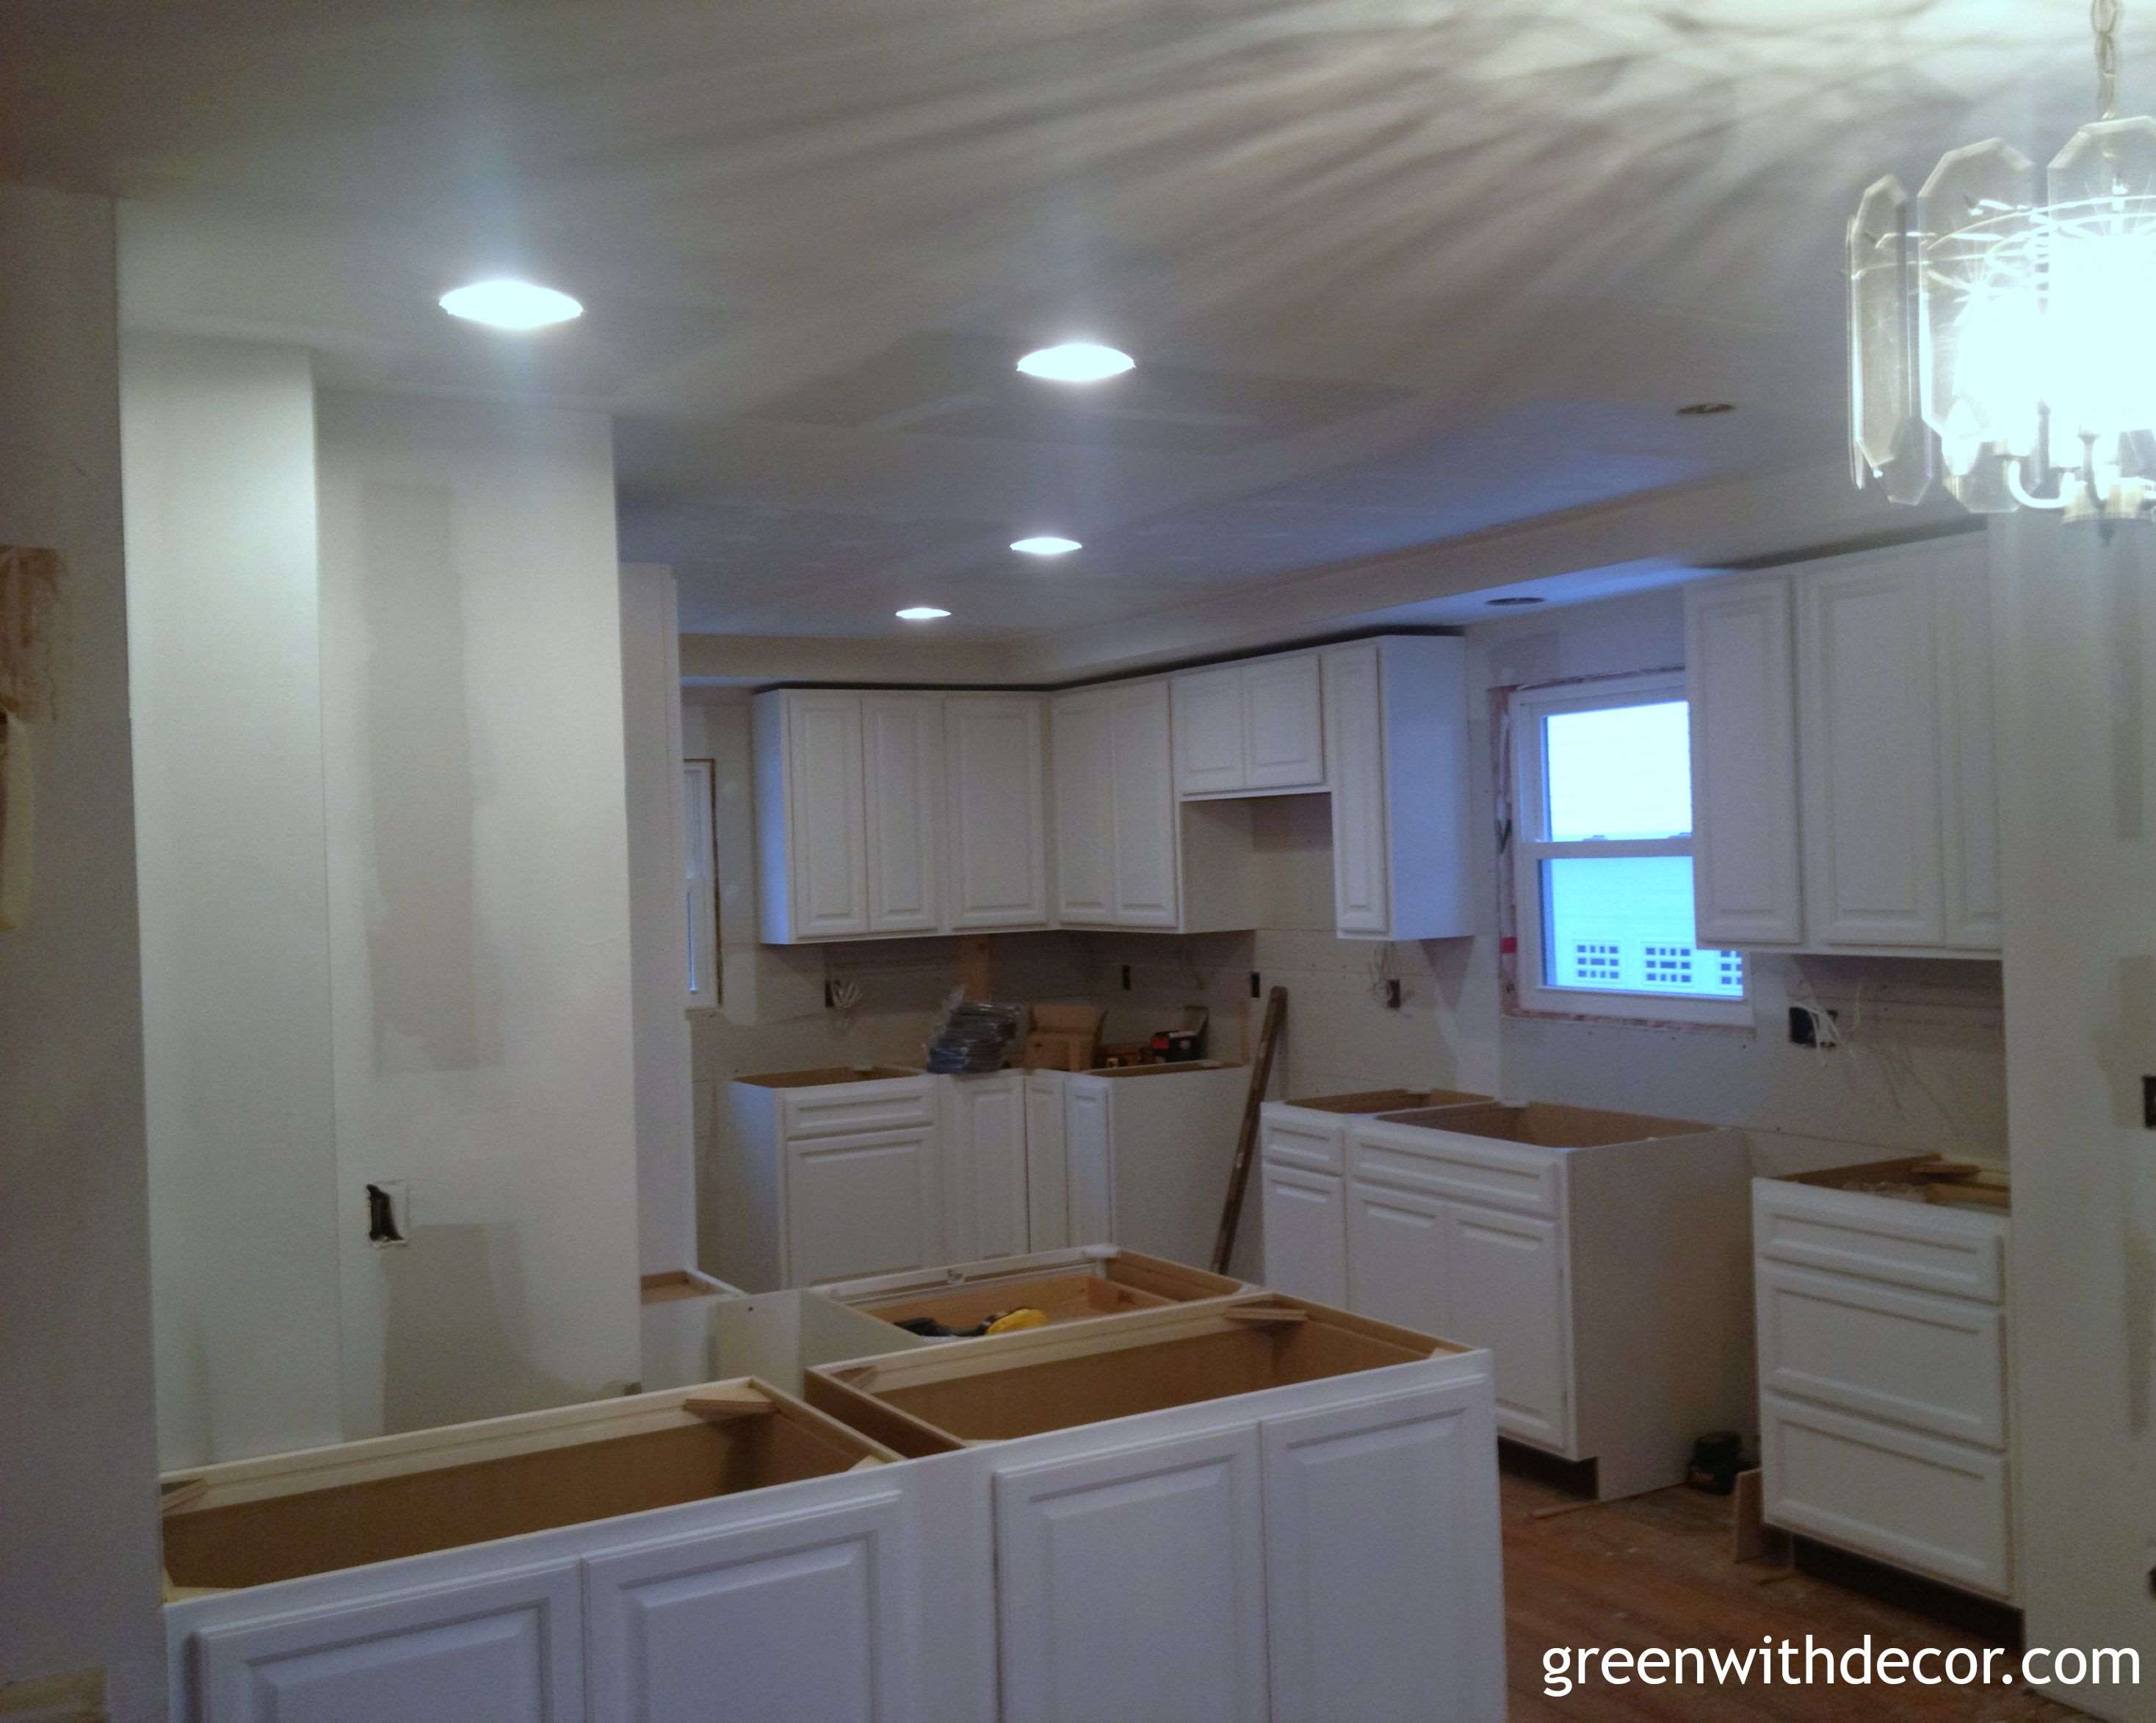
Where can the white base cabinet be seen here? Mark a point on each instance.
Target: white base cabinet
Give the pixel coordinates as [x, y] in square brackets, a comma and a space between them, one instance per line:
[1882, 1376]
[1604, 1266]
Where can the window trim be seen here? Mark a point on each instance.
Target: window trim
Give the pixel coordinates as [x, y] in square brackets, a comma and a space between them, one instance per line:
[1524, 770]
[700, 846]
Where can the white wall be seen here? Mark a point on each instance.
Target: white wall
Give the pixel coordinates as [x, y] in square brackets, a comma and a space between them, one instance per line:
[651, 718]
[2074, 627]
[78, 1520]
[224, 649]
[479, 905]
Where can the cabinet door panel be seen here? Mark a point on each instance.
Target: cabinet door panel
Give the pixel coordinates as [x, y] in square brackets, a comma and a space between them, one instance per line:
[1144, 808]
[998, 838]
[1305, 1233]
[805, 1620]
[1401, 1493]
[508, 1650]
[1283, 723]
[1355, 768]
[1870, 755]
[1396, 1256]
[860, 1206]
[1085, 809]
[1047, 1165]
[1131, 1585]
[1968, 769]
[984, 1169]
[1090, 1156]
[1505, 1290]
[827, 832]
[902, 740]
[1739, 680]
[1208, 731]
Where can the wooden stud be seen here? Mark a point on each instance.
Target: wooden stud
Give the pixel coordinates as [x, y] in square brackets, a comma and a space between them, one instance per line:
[976, 967]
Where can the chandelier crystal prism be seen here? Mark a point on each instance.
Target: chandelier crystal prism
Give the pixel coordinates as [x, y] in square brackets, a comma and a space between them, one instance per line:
[1991, 320]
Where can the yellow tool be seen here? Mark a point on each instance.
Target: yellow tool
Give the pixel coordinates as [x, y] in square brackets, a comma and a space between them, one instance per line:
[1025, 1316]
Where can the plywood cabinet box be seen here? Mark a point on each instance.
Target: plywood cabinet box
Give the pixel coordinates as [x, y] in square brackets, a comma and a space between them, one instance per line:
[1261, 1511]
[1883, 1391]
[885, 815]
[1602, 1257]
[1085, 1285]
[1844, 794]
[629, 1559]
[836, 1174]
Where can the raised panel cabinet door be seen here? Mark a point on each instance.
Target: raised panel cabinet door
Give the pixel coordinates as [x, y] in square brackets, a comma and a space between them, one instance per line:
[1355, 769]
[1401, 1493]
[802, 1619]
[1144, 801]
[1089, 1155]
[826, 820]
[901, 744]
[1505, 1290]
[862, 1205]
[1739, 680]
[1208, 731]
[1869, 707]
[1306, 1232]
[1131, 1585]
[1396, 1256]
[505, 1650]
[994, 759]
[1968, 776]
[984, 1173]
[1047, 1166]
[1283, 723]
[1081, 747]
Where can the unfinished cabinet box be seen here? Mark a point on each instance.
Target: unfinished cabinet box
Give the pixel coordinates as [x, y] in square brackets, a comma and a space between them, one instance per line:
[1303, 1188]
[1844, 796]
[1602, 1257]
[1067, 1287]
[1264, 1510]
[1883, 1367]
[829, 1174]
[607, 1560]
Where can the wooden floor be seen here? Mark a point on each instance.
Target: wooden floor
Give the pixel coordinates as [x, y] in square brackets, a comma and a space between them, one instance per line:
[1655, 1571]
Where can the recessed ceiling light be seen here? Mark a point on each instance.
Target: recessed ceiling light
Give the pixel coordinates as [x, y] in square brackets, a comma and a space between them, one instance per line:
[504, 303]
[1507, 603]
[1705, 409]
[921, 613]
[1046, 544]
[1076, 361]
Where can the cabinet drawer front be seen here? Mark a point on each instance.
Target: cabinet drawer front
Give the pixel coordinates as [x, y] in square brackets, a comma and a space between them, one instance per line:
[858, 1107]
[1846, 1233]
[1295, 1138]
[1938, 1507]
[1490, 1173]
[1934, 1364]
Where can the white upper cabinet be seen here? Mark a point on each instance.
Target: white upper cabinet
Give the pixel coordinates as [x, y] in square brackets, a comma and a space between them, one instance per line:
[1249, 729]
[998, 840]
[902, 748]
[1115, 807]
[812, 837]
[1084, 753]
[1843, 787]
[1741, 684]
[1396, 760]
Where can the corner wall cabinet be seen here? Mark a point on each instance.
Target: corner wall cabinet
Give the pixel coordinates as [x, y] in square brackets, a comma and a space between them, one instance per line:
[1844, 794]
[1599, 1256]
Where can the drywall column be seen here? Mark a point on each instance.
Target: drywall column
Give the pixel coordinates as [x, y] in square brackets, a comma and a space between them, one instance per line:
[78, 1553]
[658, 848]
[478, 906]
[224, 644]
[2074, 620]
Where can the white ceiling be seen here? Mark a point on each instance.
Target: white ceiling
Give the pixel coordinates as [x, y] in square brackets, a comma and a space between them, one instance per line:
[1396, 271]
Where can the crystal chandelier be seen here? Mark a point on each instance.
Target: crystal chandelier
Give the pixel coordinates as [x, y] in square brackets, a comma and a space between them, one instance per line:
[1991, 324]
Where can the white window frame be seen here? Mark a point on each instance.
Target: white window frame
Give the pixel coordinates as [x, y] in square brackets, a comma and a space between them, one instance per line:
[1532, 846]
[700, 874]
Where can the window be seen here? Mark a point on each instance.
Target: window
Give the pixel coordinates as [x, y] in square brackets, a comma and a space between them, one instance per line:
[697, 792]
[1602, 856]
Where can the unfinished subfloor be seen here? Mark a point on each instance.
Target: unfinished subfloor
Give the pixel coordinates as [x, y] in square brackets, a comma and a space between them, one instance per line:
[1655, 1571]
